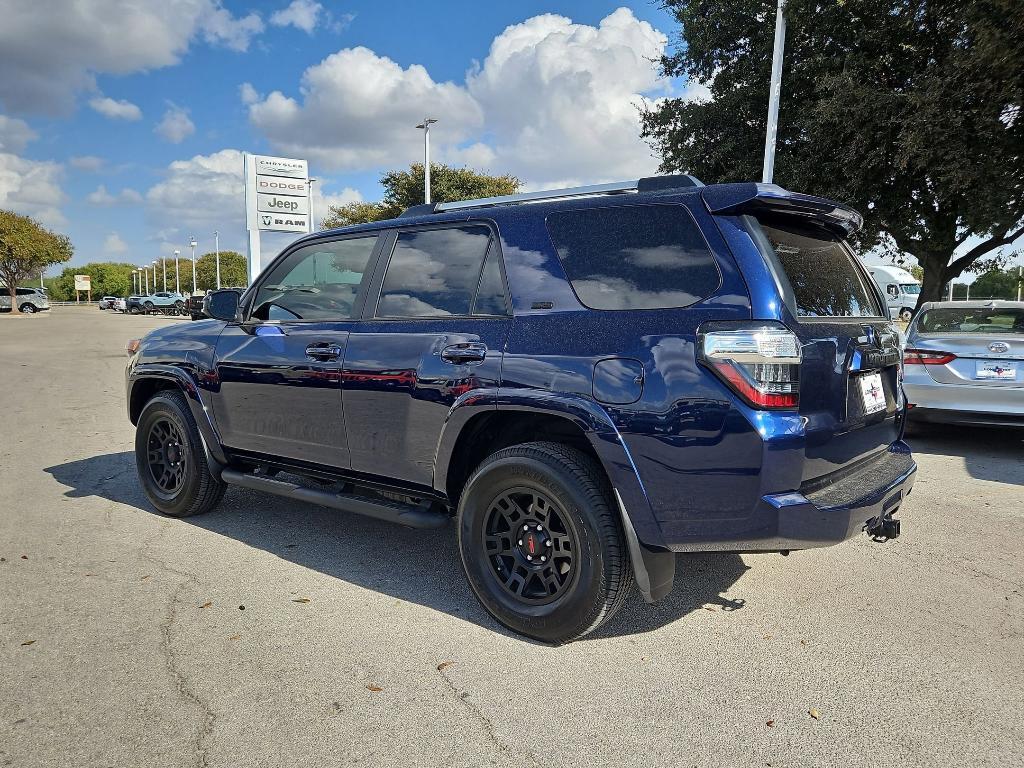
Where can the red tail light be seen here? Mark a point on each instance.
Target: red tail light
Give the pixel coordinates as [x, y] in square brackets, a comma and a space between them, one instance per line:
[927, 357]
[762, 365]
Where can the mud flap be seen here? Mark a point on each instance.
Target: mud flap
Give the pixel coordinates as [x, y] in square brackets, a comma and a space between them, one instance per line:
[654, 571]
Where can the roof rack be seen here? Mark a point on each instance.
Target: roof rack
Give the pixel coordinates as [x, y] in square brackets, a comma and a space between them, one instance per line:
[648, 184]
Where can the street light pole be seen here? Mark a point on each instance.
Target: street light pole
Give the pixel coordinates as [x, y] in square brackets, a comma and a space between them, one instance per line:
[192, 244]
[163, 261]
[425, 125]
[216, 249]
[177, 283]
[774, 93]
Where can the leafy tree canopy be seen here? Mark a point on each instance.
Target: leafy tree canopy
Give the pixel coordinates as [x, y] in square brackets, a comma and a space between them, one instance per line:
[909, 111]
[108, 279]
[233, 270]
[997, 284]
[26, 249]
[403, 189]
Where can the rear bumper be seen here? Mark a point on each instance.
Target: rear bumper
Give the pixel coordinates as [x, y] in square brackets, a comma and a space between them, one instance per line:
[965, 418]
[824, 514]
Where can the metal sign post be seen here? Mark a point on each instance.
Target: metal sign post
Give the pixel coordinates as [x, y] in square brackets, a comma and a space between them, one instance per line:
[277, 199]
[774, 93]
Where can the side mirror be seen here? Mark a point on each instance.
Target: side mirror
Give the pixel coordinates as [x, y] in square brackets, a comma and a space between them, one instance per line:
[221, 305]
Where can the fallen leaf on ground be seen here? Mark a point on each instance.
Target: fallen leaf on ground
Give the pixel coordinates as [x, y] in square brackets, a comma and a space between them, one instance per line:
[24, 557]
[803, 642]
[90, 574]
[443, 664]
[300, 599]
[28, 642]
[814, 713]
[374, 688]
[767, 637]
[770, 723]
[234, 637]
[708, 608]
[145, 577]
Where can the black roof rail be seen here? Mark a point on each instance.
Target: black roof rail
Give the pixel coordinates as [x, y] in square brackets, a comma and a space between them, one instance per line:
[423, 209]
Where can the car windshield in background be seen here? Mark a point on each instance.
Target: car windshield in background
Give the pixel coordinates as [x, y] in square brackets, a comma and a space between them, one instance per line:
[822, 271]
[911, 288]
[947, 320]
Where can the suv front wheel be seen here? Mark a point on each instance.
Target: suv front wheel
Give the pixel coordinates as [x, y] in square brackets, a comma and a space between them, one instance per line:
[541, 542]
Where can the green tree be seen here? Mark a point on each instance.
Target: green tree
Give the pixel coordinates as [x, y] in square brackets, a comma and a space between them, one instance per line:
[996, 284]
[909, 111]
[108, 279]
[233, 270]
[26, 249]
[403, 189]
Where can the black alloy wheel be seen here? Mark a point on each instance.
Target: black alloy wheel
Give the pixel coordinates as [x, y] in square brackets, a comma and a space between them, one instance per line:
[167, 453]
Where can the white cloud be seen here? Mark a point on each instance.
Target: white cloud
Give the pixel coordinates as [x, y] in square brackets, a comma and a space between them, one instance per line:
[176, 125]
[201, 194]
[52, 49]
[358, 110]
[14, 134]
[248, 94]
[32, 187]
[115, 110]
[301, 14]
[553, 102]
[87, 163]
[113, 244]
[100, 196]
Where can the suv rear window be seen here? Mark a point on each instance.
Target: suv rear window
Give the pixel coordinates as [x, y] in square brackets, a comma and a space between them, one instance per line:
[822, 271]
[634, 256]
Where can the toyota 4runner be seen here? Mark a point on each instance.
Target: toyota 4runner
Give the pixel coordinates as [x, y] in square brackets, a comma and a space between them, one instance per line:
[587, 380]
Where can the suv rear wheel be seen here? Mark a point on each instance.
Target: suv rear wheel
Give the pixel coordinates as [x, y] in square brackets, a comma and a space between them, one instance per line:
[170, 459]
[28, 309]
[541, 544]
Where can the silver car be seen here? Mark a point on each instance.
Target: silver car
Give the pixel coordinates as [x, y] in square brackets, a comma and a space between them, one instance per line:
[964, 363]
[29, 300]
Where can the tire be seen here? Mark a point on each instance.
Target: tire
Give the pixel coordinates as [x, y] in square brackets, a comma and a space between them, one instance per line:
[27, 309]
[133, 310]
[170, 459]
[150, 306]
[587, 575]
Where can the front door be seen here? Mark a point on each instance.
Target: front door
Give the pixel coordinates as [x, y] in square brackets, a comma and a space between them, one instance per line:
[279, 371]
[436, 333]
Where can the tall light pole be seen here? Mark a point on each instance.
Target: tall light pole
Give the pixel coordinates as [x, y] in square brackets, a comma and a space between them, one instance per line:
[774, 93]
[192, 244]
[165, 273]
[177, 282]
[312, 217]
[163, 261]
[216, 250]
[134, 280]
[425, 125]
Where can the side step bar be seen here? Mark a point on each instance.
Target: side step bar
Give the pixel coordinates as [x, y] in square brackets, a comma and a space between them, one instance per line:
[381, 509]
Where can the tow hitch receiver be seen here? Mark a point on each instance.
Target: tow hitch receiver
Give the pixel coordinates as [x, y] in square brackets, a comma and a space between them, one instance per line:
[883, 528]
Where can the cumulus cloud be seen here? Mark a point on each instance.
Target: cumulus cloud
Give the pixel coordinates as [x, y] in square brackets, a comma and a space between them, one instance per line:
[176, 125]
[100, 196]
[87, 163]
[14, 134]
[32, 187]
[114, 109]
[358, 110]
[203, 189]
[113, 244]
[102, 37]
[553, 101]
[248, 94]
[301, 14]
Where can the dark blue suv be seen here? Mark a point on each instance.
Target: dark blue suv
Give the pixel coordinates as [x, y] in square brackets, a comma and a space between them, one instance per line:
[587, 380]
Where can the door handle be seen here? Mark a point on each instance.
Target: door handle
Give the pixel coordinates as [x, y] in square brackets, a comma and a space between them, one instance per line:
[323, 351]
[464, 352]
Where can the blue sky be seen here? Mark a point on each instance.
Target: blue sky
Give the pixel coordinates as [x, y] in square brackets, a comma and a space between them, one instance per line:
[126, 136]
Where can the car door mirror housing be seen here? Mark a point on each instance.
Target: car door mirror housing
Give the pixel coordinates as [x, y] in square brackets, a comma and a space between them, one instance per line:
[221, 305]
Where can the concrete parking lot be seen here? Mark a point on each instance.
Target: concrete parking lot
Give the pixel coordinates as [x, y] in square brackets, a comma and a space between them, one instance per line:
[270, 633]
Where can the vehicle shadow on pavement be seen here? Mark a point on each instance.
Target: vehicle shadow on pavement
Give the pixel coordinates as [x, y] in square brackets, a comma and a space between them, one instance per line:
[988, 454]
[415, 566]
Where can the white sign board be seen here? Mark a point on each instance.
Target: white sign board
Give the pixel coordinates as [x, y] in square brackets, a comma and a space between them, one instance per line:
[277, 199]
[83, 282]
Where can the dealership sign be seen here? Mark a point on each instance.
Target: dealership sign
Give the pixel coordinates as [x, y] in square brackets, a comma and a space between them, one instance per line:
[276, 194]
[83, 282]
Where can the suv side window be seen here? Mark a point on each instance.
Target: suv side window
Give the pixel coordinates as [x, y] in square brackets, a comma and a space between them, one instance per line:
[490, 296]
[634, 256]
[434, 272]
[318, 282]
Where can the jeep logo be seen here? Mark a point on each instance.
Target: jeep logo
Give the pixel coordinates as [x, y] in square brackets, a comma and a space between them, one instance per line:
[288, 205]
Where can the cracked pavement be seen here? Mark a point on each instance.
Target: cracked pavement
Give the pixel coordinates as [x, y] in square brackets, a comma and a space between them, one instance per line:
[130, 639]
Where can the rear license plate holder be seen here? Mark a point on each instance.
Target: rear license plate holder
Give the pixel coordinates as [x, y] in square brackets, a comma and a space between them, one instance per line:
[995, 370]
[871, 391]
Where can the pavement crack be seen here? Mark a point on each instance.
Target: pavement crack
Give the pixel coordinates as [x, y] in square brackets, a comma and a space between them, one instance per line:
[485, 721]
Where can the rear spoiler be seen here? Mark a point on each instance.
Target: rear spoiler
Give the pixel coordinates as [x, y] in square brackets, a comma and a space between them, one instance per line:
[768, 198]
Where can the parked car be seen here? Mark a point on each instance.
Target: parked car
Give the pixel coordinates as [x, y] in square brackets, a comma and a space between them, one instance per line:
[165, 302]
[133, 304]
[29, 300]
[196, 300]
[119, 305]
[587, 384]
[964, 363]
[107, 302]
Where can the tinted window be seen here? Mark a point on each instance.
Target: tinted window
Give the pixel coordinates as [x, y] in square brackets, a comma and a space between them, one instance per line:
[318, 282]
[433, 273]
[950, 320]
[490, 296]
[634, 257]
[821, 269]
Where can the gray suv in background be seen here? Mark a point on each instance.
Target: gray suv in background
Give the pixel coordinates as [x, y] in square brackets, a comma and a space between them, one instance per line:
[29, 300]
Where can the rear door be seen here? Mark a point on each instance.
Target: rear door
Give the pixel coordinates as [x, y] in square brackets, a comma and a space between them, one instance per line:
[850, 375]
[434, 330]
[279, 371]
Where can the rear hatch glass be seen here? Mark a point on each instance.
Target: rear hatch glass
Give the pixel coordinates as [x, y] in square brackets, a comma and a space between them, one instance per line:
[850, 349]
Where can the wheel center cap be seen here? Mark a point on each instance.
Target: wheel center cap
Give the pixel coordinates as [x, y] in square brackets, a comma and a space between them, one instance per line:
[173, 453]
[534, 543]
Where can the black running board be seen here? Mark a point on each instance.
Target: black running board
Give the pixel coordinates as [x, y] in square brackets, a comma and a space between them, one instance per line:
[381, 509]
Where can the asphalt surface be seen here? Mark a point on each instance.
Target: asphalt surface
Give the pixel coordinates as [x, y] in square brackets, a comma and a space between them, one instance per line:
[131, 639]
